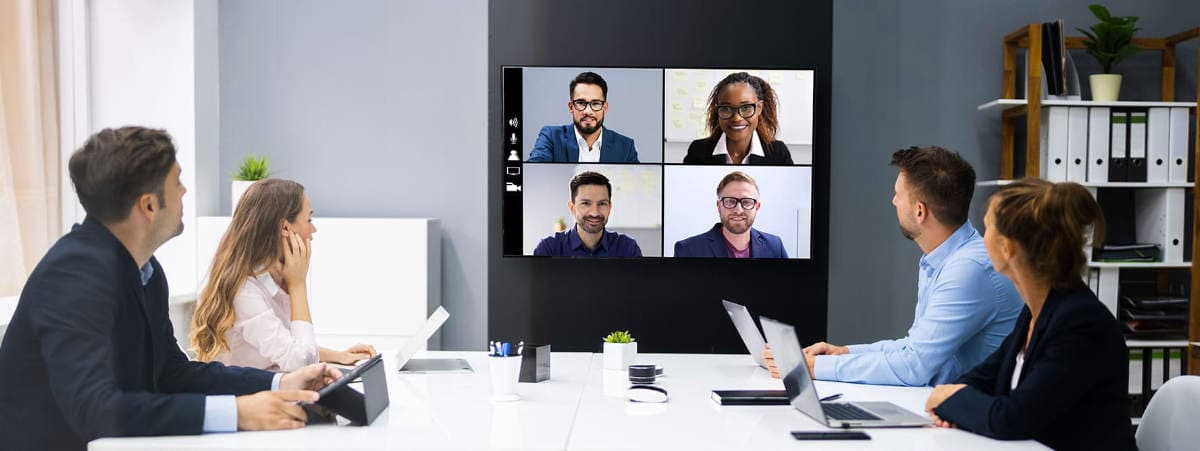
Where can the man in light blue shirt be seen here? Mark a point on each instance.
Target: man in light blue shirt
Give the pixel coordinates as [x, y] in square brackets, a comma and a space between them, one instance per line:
[965, 308]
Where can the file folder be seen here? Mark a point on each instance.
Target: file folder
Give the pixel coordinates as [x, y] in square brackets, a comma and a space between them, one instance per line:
[1178, 145]
[1158, 134]
[1160, 219]
[1097, 144]
[1137, 146]
[1077, 136]
[1118, 150]
[1054, 143]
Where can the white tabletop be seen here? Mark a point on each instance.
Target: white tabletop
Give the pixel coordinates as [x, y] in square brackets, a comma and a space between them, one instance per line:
[582, 407]
[690, 420]
[426, 411]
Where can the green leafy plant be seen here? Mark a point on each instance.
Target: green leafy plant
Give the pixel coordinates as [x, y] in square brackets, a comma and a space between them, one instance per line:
[1111, 39]
[253, 168]
[620, 336]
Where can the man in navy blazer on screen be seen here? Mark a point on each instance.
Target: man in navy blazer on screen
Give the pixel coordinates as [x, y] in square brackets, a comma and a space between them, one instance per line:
[585, 140]
[90, 351]
[734, 236]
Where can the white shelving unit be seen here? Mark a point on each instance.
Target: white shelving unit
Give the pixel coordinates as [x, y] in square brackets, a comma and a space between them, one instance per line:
[1008, 103]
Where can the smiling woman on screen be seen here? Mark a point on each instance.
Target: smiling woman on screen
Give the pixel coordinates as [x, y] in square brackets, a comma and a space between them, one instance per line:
[742, 125]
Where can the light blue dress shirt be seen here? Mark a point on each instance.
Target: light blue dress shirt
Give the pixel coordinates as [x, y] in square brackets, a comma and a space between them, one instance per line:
[220, 411]
[964, 311]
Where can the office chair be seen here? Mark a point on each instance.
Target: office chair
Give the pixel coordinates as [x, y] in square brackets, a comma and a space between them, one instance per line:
[1169, 421]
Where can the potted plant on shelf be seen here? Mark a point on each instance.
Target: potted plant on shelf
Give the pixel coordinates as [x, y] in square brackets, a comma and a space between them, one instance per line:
[1109, 41]
[253, 169]
[619, 350]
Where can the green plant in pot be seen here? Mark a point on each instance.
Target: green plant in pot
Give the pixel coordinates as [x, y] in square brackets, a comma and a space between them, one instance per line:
[252, 169]
[1109, 41]
[620, 349]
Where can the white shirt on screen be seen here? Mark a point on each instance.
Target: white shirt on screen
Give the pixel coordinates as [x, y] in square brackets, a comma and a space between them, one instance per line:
[755, 149]
[589, 155]
[263, 335]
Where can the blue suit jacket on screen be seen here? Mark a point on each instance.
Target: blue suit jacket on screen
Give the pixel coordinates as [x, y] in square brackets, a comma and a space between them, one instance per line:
[712, 244]
[556, 144]
[91, 353]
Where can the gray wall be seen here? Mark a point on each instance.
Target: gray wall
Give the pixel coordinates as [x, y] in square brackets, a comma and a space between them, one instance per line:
[912, 73]
[634, 105]
[378, 108]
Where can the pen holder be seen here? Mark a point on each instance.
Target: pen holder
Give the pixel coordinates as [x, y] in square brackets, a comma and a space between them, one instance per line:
[535, 364]
[504, 374]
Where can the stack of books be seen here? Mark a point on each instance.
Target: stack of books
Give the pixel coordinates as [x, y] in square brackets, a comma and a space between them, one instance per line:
[1128, 253]
[1154, 317]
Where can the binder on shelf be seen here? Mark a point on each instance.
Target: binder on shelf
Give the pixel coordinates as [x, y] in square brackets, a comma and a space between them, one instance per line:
[1178, 145]
[1097, 144]
[1137, 146]
[1118, 150]
[1077, 135]
[1055, 129]
[1160, 219]
[1158, 134]
[1110, 281]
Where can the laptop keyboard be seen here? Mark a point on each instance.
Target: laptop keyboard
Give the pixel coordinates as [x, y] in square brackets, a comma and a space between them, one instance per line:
[846, 412]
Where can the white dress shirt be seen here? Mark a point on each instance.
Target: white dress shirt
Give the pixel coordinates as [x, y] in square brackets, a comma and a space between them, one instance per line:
[755, 149]
[586, 154]
[263, 335]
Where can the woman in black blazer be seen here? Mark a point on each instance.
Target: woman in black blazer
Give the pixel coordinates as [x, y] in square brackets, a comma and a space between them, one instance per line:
[1066, 354]
[742, 123]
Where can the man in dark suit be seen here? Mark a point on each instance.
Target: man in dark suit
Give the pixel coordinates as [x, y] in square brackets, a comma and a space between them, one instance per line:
[91, 353]
[734, 236]
[585, 141]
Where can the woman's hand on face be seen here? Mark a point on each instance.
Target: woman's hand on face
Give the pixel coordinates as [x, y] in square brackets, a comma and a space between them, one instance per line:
[296, 252]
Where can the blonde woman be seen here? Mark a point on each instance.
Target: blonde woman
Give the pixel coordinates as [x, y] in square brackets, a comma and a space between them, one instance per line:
[253, 310]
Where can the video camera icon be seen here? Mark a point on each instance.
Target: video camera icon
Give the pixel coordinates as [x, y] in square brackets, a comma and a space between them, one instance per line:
[512, 187]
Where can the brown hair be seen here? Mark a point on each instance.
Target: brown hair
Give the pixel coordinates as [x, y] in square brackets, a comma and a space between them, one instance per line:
[768, 122]
[941, 179]
[735, 176]
[252, 243]
[117, 166]
[1050, 222]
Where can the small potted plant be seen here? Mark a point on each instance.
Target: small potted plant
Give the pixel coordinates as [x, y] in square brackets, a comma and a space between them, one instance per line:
[1109, 41]
[253, 169]
[619, 350]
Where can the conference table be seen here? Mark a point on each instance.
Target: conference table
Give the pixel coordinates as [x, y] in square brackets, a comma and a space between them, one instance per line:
[583, 407]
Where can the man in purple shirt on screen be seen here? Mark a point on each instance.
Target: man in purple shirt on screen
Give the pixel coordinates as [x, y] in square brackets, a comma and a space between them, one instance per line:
[590, 204]
[734, 237]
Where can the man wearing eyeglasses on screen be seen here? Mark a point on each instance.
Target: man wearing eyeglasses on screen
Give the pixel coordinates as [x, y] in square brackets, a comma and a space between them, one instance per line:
[734, 236]
[585, 141]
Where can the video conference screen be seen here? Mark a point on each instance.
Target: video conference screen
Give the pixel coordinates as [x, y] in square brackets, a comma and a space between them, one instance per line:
[657, 163]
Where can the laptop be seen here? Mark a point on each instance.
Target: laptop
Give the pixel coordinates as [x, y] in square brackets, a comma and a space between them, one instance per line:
[407, 364]
[745, 326]
[803, 393]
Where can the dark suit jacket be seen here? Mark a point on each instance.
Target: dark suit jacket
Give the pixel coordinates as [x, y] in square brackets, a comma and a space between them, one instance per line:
[1073, 391]
[91, 353]
[700, 152]
[712, 244]
[556, 143]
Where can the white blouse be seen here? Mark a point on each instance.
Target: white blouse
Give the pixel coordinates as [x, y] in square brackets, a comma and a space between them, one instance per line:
[1017, 370]
[263, 335]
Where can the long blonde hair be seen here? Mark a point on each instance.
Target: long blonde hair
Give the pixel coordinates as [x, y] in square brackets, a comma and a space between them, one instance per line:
[251, 243]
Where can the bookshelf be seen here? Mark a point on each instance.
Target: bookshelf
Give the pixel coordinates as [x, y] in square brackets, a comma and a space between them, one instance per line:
[1029, 110]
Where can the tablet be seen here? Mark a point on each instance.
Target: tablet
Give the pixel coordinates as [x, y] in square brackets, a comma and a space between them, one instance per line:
[351, 375]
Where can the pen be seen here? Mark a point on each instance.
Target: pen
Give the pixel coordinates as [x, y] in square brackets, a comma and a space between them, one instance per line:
[831, 397]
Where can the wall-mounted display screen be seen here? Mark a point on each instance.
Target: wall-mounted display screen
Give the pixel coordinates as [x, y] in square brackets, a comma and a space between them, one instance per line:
[657, 163]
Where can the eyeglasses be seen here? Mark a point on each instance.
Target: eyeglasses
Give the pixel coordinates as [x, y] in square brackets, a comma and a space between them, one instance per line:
[745, 110]
[580, 104]
[747, 203]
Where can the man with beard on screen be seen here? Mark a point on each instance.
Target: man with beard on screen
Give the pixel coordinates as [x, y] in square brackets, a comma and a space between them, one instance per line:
[591, 205]
[585, 141]
[734, 236]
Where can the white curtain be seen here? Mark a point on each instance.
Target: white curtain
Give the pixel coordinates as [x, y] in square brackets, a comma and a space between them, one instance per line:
[29, 171]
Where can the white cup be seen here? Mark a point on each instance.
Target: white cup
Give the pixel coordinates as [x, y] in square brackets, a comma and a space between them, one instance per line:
[505, 373]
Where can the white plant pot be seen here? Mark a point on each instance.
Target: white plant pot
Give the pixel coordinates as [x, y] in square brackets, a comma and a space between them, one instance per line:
[236, 190]
[1105, 87]
[618, 356]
